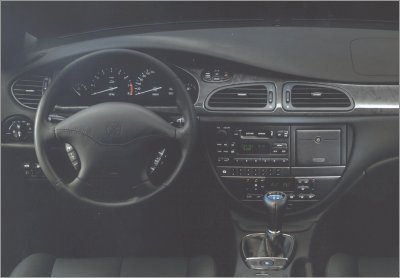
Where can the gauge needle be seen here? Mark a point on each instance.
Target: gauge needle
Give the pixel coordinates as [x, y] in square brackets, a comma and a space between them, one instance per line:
[79, 94]
[106, 90]
[151, 90]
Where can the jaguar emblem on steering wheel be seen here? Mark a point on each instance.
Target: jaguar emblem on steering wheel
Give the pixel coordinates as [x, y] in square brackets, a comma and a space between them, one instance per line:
[114, 130]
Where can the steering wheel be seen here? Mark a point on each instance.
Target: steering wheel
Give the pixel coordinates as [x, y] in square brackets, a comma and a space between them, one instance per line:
[112, 136]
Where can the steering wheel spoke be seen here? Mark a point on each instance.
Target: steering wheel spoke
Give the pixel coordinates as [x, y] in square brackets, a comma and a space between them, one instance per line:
[48, 132]
[78, 186]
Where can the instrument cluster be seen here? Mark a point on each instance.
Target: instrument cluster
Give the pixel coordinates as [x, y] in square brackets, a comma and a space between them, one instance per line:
[145, 86]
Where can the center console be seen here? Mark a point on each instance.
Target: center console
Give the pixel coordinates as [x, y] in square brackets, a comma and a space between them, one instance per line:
[304, 162]
[276, 169]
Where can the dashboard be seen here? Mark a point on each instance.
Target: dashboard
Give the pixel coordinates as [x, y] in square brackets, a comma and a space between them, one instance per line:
[265, 124]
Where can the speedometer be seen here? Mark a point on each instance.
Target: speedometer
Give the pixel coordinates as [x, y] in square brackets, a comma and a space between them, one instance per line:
[153, 89]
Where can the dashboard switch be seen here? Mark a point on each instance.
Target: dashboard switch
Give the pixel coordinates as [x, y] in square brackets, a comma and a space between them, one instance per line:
[216, 75]
[17, 129]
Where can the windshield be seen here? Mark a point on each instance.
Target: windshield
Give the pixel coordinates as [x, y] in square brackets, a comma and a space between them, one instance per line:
[54, 19]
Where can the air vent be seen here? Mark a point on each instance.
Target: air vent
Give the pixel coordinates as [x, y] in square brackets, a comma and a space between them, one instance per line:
[315, 97]
[243, 97]
[28, 90]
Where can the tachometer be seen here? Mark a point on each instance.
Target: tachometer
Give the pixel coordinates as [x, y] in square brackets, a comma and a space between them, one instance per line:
[111, 82]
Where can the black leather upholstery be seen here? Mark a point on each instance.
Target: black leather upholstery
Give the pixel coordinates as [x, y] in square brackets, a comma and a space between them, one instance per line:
[47, 265]
[343, 265]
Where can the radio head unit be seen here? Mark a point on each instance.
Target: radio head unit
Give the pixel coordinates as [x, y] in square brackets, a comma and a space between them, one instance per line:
[235, 144]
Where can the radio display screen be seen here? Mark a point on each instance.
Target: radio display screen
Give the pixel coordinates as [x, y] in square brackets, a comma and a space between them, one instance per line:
[253, 148]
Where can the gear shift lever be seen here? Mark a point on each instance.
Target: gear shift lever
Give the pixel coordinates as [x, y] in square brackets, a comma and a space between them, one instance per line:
[275, 203]
[271, 250]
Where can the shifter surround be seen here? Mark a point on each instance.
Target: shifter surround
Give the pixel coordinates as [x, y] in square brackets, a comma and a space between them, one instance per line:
[255, 256]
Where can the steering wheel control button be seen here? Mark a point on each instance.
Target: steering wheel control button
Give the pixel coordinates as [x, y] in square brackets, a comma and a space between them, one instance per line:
[68, 148]
[158, 161]
[73, 156]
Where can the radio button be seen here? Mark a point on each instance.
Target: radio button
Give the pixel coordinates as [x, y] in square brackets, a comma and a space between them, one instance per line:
[280, 161]
[265, 160]
[282, 134]
[248, 133]
[285, 133]
[280, 145]
[264, 134]
[223, 159]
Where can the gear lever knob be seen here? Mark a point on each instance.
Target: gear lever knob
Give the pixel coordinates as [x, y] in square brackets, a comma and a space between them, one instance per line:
[275, 202]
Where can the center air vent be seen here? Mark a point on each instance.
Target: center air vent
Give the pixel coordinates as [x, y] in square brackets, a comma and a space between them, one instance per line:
[243, 97]
[315, 97]
[28, 90]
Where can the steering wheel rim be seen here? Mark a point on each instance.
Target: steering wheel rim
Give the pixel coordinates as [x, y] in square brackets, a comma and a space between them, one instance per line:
[94, 137]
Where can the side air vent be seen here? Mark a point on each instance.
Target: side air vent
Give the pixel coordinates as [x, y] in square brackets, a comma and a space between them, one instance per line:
[243, 97]
[28, 90]
[315, 97]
